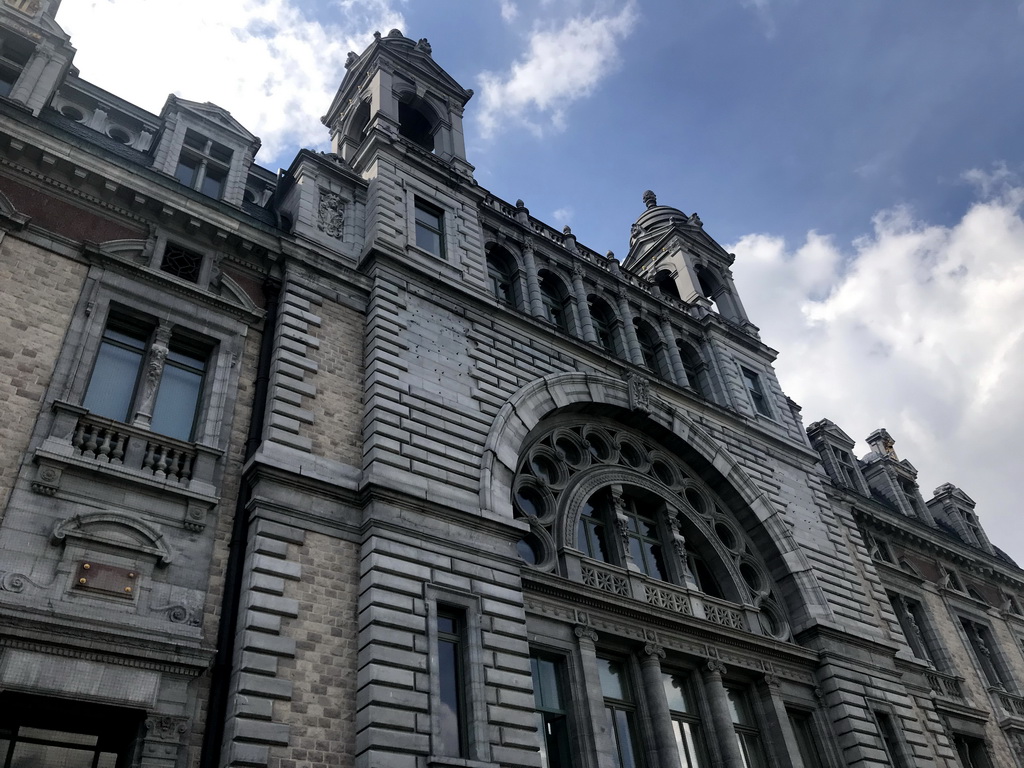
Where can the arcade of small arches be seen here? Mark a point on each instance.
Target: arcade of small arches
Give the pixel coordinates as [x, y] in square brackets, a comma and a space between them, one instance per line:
[599, 319]
[608, 507]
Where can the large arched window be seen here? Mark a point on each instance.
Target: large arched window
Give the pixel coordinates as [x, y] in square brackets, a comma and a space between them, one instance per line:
[604, 321]
[555, 299]
[501, 276]
[667, 284]
[416, 121]
[608, 504]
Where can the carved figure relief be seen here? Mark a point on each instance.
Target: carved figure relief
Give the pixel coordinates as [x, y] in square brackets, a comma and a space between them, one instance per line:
[331, 214]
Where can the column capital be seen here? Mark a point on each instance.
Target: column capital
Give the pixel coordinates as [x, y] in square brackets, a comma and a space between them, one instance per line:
[584, 632]
[653, 651]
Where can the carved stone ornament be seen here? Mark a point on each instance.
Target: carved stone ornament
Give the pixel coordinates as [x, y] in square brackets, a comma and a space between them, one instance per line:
[716, 666]
[639, 393]
[47, 480]
[166, 727]
[654, 650]
[331, 214]
[585, 633]
[195, 517]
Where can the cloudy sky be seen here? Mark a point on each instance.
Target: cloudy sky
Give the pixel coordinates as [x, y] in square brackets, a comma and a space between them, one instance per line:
[864, 160]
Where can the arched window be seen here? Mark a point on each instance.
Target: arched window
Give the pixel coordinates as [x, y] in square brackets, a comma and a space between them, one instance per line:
[603, 319]
[555, 299]
[694, 368]
[501, 276]
[650, 342]
[416, 122]
[606, 503]
[667, 284]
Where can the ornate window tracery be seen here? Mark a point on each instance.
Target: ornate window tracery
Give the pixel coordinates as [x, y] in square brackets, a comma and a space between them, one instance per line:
[604, 502]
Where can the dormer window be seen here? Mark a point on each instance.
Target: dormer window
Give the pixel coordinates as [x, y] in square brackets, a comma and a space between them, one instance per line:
[203, 165]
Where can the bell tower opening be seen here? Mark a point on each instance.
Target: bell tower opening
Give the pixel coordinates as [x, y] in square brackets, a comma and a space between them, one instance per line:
[416, 122]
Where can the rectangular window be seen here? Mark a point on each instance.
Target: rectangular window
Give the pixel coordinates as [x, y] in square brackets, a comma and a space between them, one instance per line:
[451, 624]
[910, 616]
[429, 228]
[552, 710]
[747, 734]
[979, 639]
[847, 470]
[890, 740]
[203, 165]
[118, 386]
[621, 712]
[972, 751]
[807, 742]
[685, 721]
[757, 398]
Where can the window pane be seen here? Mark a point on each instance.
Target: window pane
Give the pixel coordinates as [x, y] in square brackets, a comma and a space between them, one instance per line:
[114, 378]
[428, 239]
[690, 754]
[612, 684]
[622, 735]
[450, 716]
[545, 683]
[176, 401]
[28, 754]
[186, 171]
[213, 183]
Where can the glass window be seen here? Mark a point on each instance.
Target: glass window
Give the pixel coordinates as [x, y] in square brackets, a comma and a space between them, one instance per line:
[115, 375]
[114, 387]
[552, 711]
[501, 279]
[187, 171]
[648, 346]
[203, 165]
[554, 298]
[693, 367]
[846, 466]
[429, 228]
[747, 735]
[591, 533]
[685, 721]
[807, 742]
[644, 539]
[621, 712]
[181, 262]
[603, 321]
[890, 741]
[757, 398]
[450, 648]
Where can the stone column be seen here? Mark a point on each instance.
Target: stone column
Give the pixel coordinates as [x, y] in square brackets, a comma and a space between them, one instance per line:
[673, 353]
[779, 732]
[532, 281]
[31, 74]
[626, 315]
[580, 291]
[151, 380]
[654, 692]
[594, 716]
[44, 87]
[718, 700]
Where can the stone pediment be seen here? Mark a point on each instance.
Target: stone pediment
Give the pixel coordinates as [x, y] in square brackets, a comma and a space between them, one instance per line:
[211, 113]
[115, 529]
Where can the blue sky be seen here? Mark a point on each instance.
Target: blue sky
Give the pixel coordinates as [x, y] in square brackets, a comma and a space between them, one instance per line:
[863, 159]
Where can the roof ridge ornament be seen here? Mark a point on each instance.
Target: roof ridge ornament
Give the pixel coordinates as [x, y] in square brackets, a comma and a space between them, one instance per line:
[650, 199]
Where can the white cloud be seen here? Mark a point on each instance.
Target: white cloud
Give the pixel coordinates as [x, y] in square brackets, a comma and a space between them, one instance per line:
[559, 67]
[509, 10]
[272, 67]
[562, 216]
[917, 328]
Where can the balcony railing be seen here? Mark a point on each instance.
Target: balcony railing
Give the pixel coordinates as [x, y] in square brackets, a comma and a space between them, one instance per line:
[946, 686]
[79, 437]
[1012, 704]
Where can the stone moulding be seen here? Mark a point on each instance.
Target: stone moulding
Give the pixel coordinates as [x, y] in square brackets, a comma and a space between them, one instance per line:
[117, 530]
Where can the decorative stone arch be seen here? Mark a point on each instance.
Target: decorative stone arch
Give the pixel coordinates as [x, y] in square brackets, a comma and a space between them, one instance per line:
[115, 529]
[354, 127]
[420, 106]
[515, 426]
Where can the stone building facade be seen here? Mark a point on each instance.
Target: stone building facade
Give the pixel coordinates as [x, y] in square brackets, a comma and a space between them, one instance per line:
[359, 464]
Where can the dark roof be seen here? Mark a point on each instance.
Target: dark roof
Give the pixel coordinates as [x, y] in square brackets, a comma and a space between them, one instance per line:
[81, 131]
[263, 215]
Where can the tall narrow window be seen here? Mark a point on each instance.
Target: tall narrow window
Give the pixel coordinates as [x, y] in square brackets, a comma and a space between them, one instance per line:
[754, 389]
[181, 386]
[685, 721]
[552, 711]
[621, 712]
[500, 276]
[890, 740]
[973, 752]
[644, 539]
[115, 375]
[909, 614]
[747, 735]
[846, 466]
[603, 320]
[648, 340]
[979, 639]
[693, 367]
[555, 300]
[591, 534]
[450, 675]
[429, 228]
[807, 742]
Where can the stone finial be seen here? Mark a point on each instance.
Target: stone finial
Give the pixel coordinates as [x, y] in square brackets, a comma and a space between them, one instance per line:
[566, 230]
[395, 33]
[520, 204]
[650, 199]
[351, 59]
[610, 255]
[376, 35]
[424, 45]
[881, 442]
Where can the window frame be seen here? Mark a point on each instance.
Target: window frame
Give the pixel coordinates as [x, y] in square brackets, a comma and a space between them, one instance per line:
[696, 739]
[630, 709]
[204, 159]
[421, 204]
[748, 734]
[892, 745]
[756, 394]
[547, 714]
